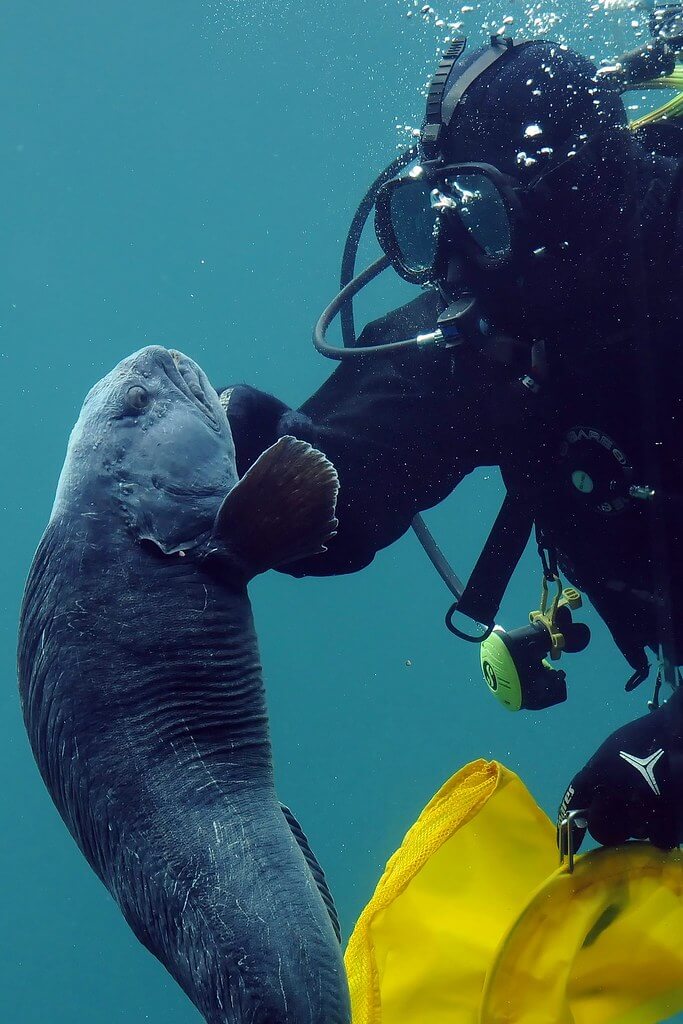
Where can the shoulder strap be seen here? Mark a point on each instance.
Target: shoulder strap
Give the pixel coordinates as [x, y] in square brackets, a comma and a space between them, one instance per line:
[498, 560]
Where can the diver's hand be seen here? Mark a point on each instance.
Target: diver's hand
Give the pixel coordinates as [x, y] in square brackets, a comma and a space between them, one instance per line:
[254, 418]
[655, 59]
[632, 787]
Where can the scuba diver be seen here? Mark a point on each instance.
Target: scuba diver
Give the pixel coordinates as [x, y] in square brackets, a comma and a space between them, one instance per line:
[546, 235]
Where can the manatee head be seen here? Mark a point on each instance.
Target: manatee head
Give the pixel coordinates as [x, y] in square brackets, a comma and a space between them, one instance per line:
[152, 447]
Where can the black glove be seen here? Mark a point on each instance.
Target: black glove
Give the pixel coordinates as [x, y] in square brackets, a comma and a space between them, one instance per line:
[654, 60]
[632, 787]
[254, 418]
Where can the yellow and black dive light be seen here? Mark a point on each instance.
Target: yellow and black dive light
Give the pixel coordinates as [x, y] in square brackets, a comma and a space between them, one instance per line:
[515, 665]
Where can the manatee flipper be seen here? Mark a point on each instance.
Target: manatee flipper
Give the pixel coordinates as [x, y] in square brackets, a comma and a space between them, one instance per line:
[282, 508]
[316, 870]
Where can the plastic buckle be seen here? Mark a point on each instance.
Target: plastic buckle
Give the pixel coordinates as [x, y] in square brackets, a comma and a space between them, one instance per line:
[430, 135]
[574, 819]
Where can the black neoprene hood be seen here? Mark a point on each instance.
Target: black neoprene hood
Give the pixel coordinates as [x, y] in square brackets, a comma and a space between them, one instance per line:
[528, 109]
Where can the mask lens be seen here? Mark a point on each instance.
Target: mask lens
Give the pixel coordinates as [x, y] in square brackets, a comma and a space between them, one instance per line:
[415, 225]
[480, 208]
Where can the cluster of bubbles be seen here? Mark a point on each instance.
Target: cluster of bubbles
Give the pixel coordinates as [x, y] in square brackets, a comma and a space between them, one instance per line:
[623, 21]
[606, 27]
[470, 19]
[615, 25]
[609, 19]
[534, 19]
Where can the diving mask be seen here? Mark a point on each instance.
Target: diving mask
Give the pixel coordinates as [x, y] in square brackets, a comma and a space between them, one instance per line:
[422, 218]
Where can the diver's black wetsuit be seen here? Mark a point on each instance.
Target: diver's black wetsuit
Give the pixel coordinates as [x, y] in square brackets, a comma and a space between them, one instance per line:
[404, 430]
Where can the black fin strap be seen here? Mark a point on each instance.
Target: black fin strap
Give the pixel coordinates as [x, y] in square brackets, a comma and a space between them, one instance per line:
[498, 560]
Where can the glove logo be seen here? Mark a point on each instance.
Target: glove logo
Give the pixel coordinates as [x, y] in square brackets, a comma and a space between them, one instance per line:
[646, 767]
[564, 806]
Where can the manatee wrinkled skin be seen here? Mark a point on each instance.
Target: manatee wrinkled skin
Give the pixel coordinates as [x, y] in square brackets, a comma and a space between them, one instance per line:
[143, 697]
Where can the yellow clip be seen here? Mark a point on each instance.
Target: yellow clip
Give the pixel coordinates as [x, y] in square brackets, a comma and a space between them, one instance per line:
[546, 616]
[571, 598]
[568, 597]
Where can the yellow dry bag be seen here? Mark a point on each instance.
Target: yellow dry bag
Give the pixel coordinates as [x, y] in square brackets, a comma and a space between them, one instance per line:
[473, 922]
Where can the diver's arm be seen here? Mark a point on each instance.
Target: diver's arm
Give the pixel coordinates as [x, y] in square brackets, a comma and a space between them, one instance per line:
[401, 430]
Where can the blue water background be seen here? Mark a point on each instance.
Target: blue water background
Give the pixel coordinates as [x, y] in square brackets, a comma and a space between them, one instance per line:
[184, 174]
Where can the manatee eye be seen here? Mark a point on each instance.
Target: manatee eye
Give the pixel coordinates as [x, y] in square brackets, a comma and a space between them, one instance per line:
[138, 398]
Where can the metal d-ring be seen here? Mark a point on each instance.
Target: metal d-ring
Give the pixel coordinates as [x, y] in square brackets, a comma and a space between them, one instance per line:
[478, 639]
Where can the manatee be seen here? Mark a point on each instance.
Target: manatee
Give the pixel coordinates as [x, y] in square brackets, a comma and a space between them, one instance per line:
[143, 695]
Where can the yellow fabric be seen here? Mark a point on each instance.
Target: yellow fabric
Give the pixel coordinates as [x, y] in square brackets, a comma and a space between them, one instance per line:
[603, 944]
[472, 922]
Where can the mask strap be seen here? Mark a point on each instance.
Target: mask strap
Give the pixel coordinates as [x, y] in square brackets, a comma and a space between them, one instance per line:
[500, 47]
